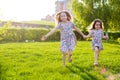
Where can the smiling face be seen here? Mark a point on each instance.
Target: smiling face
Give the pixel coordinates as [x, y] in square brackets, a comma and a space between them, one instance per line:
[63, 17]
[97, 25]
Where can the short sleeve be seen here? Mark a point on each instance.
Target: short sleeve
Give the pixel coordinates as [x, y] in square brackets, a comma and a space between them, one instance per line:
[91, 32]
[102, 32]
[73, 25]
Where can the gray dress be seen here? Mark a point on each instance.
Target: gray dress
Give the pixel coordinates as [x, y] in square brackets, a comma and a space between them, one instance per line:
[67, 38]
[97, 38]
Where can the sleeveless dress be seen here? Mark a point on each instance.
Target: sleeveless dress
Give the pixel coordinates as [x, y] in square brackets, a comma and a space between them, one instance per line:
[97, 39]
[67, 36]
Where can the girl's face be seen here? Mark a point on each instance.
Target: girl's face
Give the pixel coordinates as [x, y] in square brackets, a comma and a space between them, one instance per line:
[63, 17]
[97, 25]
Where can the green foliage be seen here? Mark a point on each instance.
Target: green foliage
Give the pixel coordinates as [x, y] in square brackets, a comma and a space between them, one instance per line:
[114, 35]
[3, 29]
[20, 35]
[114, 21]
[43, 61]
[118, 40]
[86, 11]
[34, 34]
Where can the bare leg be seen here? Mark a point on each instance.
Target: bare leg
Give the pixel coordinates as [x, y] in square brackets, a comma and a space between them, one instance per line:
[70, 56]
[64, 59]
[96, 54]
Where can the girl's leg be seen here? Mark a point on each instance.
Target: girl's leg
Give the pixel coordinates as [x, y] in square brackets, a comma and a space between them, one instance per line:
[96, 54]
[70, 56]
[64, 58]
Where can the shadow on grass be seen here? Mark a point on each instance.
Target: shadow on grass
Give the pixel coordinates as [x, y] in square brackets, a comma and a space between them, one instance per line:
[82, 72]
[2, 71]
[111, 42]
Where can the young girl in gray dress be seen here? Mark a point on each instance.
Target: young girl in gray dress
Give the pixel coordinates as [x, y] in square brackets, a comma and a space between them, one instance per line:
[68, 38]
[96, 31]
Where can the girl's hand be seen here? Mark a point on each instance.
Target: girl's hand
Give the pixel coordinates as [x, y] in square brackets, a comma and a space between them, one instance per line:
[43, 38]
[84, 36]
[106, 37]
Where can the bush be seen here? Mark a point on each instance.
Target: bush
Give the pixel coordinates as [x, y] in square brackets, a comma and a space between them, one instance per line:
[113, 35]
[21, 35]
[34, 34]
[4, 28]
[118, 40]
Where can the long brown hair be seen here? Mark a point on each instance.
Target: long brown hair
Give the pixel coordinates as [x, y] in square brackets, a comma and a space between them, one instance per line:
[57, 16]
[92, 25]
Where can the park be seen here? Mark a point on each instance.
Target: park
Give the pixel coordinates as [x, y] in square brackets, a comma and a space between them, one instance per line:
[23, 56]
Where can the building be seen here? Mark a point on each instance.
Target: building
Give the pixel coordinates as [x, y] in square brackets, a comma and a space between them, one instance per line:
[48, 18]
[61, 5]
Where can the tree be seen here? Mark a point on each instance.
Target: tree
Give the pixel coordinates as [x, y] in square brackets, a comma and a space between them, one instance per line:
[3, 29]
[86, 11]
[115, 18]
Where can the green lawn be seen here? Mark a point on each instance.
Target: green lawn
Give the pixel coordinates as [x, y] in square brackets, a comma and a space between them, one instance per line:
[43, 61]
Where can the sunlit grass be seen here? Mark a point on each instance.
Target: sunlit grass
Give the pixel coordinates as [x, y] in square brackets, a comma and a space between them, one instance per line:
[43, 61]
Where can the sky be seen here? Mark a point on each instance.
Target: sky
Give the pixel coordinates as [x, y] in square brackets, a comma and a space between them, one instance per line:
[26, 10]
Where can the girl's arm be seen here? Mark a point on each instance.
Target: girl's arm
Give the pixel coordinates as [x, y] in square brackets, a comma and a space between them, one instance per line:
[51, 32]
[105, 37]
[88, 36]
[48, 34]
[78, 30]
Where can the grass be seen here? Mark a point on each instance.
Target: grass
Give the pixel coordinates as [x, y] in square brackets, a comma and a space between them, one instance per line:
[43, 61]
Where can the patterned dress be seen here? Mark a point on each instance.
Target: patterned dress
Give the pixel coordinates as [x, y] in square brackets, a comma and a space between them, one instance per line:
[97, 39]
[68, 38]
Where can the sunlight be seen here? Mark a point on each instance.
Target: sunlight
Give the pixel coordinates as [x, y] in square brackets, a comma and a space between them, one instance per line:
[26, 9]
[79, 0]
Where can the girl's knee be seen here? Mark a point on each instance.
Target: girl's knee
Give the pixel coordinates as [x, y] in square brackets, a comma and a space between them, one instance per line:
[96, 49]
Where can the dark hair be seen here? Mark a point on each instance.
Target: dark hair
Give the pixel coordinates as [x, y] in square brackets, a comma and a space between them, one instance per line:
[92, 26]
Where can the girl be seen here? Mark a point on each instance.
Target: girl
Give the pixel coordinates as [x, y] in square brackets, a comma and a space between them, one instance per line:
[96, 31]
[68, 38]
